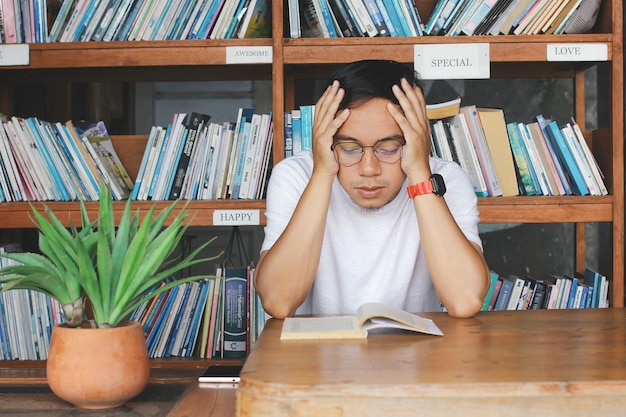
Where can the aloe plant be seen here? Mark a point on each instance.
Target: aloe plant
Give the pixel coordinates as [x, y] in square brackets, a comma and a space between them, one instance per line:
[115, 268]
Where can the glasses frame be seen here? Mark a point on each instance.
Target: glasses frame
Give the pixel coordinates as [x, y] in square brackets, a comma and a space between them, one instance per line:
[334, 146]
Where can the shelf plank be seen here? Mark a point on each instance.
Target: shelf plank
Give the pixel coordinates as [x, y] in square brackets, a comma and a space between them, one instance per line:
[18, 215]
[508, 49]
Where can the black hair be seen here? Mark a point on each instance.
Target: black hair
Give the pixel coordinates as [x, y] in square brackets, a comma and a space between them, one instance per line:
[372, 78]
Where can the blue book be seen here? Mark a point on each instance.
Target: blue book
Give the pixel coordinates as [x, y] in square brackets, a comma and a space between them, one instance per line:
[159, 162]
[191, 336]
[543, 124]
[306, 126]
[296, 131]
[567, 159]
[160, 318]
[144, 161]
[527, 184]
[505, 294]
[241, 159]
[181, 20]
[176, 326]
[58, 187]
[127, 25]
[235, 302]
[572, 293]
[390, 17]
[592, 279]
[377, 17]
[85, 19]
[404, 23]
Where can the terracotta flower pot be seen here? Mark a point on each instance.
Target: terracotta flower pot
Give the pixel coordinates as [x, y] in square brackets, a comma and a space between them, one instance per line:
[98, 368]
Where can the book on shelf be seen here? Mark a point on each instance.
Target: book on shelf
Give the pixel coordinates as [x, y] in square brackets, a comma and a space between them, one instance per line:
[97, 141]
[477, 136]
[443, 109]
[494, 127]
[493, 281]
[235, 304]
[368, 317]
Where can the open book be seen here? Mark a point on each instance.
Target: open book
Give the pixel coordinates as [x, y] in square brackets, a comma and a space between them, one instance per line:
[368, 316]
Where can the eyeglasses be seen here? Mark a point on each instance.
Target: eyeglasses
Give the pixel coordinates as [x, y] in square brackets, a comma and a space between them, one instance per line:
[350, 153]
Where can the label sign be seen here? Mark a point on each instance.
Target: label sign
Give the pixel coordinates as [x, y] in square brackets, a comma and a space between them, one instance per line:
[14, 54]
[452, 61]
[236, 217]
[249, 55]
[577, 52]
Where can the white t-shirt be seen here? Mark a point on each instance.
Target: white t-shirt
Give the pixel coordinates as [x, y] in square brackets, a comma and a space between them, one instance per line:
[368, 254]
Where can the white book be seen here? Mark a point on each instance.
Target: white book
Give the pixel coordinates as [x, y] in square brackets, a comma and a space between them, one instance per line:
[251, 152]
[259, 158]
[73, 21]
[181, 332]
[153, 155]
[94, 22]
[25, 171]
[142, 20]
[228, 141]
[223, 19]
[6, 153]
[152, 21]
[89, 183]
[266, 163]
[208, 161]
[516, 292]
[591, 160]
[218, 142]
[581, 162]
[477, 135]
[197, 163]
[468, 157]
[144, 162]
[64, 169]
[169, 156]
[38, 153]
[364, 20]
[31, 165]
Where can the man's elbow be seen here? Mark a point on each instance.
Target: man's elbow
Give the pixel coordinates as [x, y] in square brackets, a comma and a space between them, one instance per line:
[278, 309]
[465, 309]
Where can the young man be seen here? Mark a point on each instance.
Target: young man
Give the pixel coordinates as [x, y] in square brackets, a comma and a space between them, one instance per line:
[368, 215]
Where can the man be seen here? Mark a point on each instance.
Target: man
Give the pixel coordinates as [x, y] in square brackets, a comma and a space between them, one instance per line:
[358, 218]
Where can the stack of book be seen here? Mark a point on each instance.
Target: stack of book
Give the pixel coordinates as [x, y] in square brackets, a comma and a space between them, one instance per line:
[133, 20]
[355, 18]
[587, 290]
[26, 319]
[516, 158]
[511, 17]
[193, 158]
[216, 317]
[44, 161]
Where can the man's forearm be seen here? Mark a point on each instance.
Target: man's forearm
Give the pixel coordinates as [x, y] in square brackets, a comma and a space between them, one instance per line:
[286, 271]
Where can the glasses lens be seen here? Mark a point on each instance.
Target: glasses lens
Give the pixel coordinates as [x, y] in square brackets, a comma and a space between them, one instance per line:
[348, 153]
[388, 151]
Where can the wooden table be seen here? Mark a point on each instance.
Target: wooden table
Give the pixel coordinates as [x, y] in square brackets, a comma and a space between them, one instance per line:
[504, 363]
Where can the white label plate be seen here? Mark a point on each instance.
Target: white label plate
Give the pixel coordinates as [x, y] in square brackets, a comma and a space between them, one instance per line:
[249, 55]
[236, 217]
[577, 52]
[452, 61]
[14, 54]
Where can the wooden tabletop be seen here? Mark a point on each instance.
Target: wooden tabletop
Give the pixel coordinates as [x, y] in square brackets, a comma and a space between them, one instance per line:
[511, 363]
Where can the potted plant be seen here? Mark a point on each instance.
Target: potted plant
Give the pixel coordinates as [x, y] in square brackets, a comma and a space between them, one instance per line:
[109, 271]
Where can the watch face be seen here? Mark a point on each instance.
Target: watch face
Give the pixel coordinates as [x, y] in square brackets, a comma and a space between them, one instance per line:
[439, 186]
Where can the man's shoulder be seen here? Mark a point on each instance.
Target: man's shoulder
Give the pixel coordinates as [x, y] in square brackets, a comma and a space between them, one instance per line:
[300, 161]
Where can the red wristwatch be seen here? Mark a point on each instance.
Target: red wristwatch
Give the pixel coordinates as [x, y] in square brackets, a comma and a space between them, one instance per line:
[434, 185]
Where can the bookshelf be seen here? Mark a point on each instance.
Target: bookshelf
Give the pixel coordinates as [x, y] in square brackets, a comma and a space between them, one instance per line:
[510, 56]
[292, 59]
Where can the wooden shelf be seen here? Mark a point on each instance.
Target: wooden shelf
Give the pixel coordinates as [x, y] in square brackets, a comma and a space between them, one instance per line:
[509, 49]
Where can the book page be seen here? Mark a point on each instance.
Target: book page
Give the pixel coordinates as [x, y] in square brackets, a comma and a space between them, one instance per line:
[377, 315]
[331, 327]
